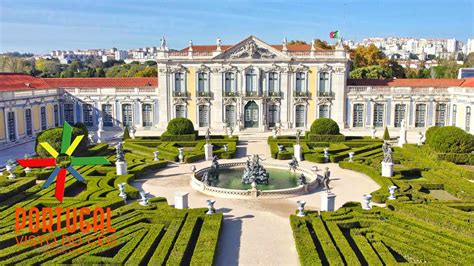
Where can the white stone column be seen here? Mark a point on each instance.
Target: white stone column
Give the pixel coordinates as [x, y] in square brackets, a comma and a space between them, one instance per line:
[285, 100]
[164, 97]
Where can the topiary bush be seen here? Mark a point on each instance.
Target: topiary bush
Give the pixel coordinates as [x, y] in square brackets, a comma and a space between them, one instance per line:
[386, 135]
[451, 139]
[126, 134]
[82, 127]
[180, 126]
[324, 126]
[429, 133]
[53, 136]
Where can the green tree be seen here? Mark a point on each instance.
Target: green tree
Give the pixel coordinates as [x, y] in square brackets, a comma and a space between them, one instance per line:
[386, 134]
[296, 42]
[147, 72]
[370, 72]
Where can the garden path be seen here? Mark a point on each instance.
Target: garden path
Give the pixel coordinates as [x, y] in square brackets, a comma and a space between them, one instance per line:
[255, 232]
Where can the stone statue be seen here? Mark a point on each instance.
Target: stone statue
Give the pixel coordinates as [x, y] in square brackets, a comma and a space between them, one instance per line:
[293, 164]
[205, 178]
[387, 153]
[215, 163]
[326, 179]
[208, 135]
[254, 171]
[301, 180]
[100, 126]
[119, 150]
[298, 135]
[163, 43]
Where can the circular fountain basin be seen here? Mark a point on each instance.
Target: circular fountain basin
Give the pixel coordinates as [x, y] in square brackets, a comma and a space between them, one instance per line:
[282, 182]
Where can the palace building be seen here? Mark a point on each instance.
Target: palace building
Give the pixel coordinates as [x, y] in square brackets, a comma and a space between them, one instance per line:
[250, 86]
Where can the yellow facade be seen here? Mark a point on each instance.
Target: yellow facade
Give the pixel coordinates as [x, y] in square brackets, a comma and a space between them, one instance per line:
[312, 77]
[49, 115]
[35, 116]
[191, 89]
[21, 121]
[2, 125]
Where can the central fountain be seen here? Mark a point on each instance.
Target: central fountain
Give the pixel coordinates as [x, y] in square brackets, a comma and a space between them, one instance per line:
[254, 171]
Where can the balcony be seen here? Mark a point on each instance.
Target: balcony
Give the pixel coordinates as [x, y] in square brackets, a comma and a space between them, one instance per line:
[203, 94]
[325, 94]
[253, 94]
[230, 94]
[273, 94]
[301, 94]
[180, 94]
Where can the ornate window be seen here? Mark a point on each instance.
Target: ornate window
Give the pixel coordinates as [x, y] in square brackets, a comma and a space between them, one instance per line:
[203, 115]
[180, 111]
[230, 115]
[468, 118]
[87, 115]
[229, 83]
[324, 111]
[378, 115]
[11, 126]
[56, 115]
[29, 126]
[203, 83]
[251, 82]
[107, 115]
[69, 113]
[300, 82]
[300, 114]
[273, 84]
[179, 86]
[43, 118]
[127, 115]
[440, 114]
[147, 115]
[358, 115]
[455, 111]
[273, 115]
[420, 114]
[400, 110]
[324, 85]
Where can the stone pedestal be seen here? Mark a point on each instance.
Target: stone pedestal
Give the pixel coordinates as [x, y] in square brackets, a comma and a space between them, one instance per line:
[328, 201]
[99, 136]
[366, 202]
[208, 152]
[392, 192]
[297, 152]
[403, 138]
[351, 156]
[121, 168]
[387, 169]
[181, 200]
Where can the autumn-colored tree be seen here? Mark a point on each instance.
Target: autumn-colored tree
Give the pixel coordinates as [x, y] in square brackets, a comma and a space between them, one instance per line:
[318, 43]
[296, 42]
[363, 56]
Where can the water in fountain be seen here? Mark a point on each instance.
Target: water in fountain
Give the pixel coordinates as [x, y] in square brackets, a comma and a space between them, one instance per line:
[254, 171]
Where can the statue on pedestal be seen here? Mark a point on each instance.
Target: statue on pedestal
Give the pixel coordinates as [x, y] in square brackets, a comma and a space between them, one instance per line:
[293, 164]
[387, 153]
[301, 180]
[298, 135]
[119, 152]
[326, 179]
[208, 135]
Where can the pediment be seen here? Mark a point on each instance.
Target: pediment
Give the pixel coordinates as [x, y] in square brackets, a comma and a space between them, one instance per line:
[251, 48]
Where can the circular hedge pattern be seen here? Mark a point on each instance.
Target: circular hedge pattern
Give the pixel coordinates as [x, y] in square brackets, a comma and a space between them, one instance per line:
[180, 126]
[451, 139]
[324, 126]
[54, 136]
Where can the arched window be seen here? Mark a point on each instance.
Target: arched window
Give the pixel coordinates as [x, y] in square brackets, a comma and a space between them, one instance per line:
[43, 118]
[440, 115]
[87, 115]
[147, 115]
[273, 84]
[203, 84]
[28, 121]
[203, 115]
[11, 123]
[230, 115]
[399, 114]
[273, 115]
[229, 83]
[300, 114]
[180, 111]
[358, 115]
[56, 115]
[127, 115]
[455, 111]
[107, 115]
[468, 118]
[300, 82]
[378, 115]
[420, 114]
[179, 86]
[251, 82]
[324, 86]
[324, 111]
[69, 113]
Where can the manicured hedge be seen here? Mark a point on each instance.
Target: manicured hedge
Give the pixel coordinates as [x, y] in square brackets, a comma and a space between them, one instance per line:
[451, 139]
[180, 126]
[324, 126]
[325, 138]
[457, 158]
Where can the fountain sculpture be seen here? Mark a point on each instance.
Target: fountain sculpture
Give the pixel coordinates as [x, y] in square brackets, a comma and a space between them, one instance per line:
[254, 171]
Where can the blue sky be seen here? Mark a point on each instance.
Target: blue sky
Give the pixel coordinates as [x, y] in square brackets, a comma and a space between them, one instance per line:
[40, 26]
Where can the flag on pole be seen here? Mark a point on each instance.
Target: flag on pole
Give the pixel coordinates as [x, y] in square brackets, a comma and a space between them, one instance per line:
[334, 34]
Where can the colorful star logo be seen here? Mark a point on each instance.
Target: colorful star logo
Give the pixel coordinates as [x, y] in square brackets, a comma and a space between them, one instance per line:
[63, 161]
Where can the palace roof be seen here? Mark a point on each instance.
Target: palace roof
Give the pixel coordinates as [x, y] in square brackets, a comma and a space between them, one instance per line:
[442, 83]
[102, 82]
[290, 47]
[19, 81]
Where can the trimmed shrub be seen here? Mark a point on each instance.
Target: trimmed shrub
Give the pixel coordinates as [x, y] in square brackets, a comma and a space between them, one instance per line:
[126, 134]
[324, 126]
[188, 137]
[429, 133]
[180, 126]
[451, 139]
[325, 138]
[82, 127]
[53, 136]
[386, 135]
[457, 158]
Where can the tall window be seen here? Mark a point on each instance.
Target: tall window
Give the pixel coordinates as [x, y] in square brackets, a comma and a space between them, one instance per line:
[399, 114]
[300, 82]
[229, 82]
[440, 115]
[455, 111]
[300, 116]
[202, 83]
[127, 115]
[378, 115]
[358, 116]
[29, 126]
[43, 118]
[230, 115]
[468, 118]
[107, 115]
[273, 115]
[69, 113]
[203, 115]
[251, 82]
[180, 111]
[324, 87]
[324, 111]
[11, 126]
[56, 115]
[147, 116]
[179, 87]
[87, 115]
[273, 83]
[420, 114]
